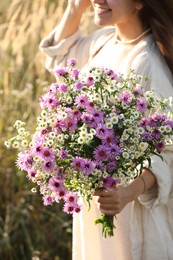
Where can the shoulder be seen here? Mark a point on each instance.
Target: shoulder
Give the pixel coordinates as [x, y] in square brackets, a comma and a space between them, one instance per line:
[148, 61]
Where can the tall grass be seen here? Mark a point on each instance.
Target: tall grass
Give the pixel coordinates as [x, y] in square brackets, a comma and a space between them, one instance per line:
[28, 230]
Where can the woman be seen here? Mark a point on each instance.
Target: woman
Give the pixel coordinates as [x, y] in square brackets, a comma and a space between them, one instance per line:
[135, 36]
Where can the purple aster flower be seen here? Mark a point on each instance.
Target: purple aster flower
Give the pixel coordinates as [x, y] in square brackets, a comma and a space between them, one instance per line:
[100, 153]
[55, 183]
[138, 90]
[81, 101]
[53, 88]
[61, 193]
[89, 120]
[75, 73]
[37, 149]
[168, 122]
[109, 182]
[32, 173]
[102, 131]
[160, 146]
[71, 124]
[63, 154]
[147, 136]
[144, 122]
[156, 134]
[49, 101]
[90, 105]
[24, 161]
[60, 71]
[78, 85]
[141, 104]
[63, 88]
[78, 163]
[71, 197]
[47, 200]
[89, 81]
[77, 114]
[59, 125]
[88, 166]
[48, 154]
[99, 166]
[113, 151]
[69, 208]
[77, 209]
[125, 97]
[71, 62]
[111, 166]
[98, 116]
[110, 139]
[48, 166]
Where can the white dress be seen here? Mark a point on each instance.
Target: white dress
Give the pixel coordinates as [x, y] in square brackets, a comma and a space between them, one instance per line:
[145, 226]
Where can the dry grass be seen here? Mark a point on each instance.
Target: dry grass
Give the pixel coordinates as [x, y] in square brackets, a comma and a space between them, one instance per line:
[25, 225]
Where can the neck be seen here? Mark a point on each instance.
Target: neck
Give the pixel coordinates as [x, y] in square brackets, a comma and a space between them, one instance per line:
[128, 31]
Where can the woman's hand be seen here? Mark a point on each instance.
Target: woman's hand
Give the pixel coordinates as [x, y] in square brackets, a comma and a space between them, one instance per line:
[112, 201]
[80, 5]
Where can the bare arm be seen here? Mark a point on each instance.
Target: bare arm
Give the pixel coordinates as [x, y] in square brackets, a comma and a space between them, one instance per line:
[113, 201]
[71, 19]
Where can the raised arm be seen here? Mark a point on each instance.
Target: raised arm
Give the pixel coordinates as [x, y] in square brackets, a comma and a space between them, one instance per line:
[71, 19]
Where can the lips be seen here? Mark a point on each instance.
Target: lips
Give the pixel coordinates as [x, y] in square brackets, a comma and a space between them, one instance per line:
[101, 10]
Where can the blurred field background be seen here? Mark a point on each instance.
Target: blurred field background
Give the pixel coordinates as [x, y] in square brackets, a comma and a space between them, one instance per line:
[28, 230]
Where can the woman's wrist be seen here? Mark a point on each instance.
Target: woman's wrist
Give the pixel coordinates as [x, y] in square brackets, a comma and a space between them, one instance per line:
[142, 183]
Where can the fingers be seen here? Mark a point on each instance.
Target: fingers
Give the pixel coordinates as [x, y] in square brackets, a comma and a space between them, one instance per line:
[104, 192]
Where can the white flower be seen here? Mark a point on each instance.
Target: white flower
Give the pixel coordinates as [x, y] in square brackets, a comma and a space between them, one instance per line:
[96, 77]
[34, 190]
[19, 124]
[140, 130]
[105, 174]
[7, 144]
[130, 130]
[60, 137]
[143, 146]
[90, 137]
[109, 125]
[69, 100]
[168, 129]
[124, 137]
[52, 135]
[137, 154]
[92, 131]
[114, 119]
[83, 135]
[24, 143]
[63, 115]
[50, 142]
[125, 155]
[21, 130]
[111, 88]
[81, 140]
[162, 129]
[44, 113]
[15, 144]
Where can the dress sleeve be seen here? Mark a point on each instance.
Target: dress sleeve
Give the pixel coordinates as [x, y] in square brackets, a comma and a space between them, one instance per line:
[161, 83]
[75, 46]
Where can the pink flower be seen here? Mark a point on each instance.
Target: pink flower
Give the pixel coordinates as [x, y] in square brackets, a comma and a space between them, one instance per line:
[88, 166]
[141, 104]
[48, 166]
[100, 153]
[78, 163]
[81, 101]
[24, 161]
[63, 88]
[47, 200]
[125, 97]
[55, 183]
[60, 71]
[49, 101]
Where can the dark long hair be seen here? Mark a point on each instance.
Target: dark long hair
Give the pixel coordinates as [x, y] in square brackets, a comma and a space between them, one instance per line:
[158, 14]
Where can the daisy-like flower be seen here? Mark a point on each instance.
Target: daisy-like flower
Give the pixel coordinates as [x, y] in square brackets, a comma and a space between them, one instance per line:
[78, 85]
[71, 198]
[109, 182]
[113, 150]
[125, 97]
[32, 173]
[78, 163]
[160, 146]
[48, 166]
[49, 101]
[47, 154]
[71, 124]
[81, 101]
[89, 81]
[55, 183]
[63, 154]
[75, 73]
[71, 62]
[100, 153]
[60, 71]
[63, 88]
[88, 166]
[24, 161]
[141, 104]
[48, 200]
[102, 131]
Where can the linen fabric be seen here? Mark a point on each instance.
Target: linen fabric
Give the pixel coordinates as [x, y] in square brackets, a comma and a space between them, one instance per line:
[145, 226]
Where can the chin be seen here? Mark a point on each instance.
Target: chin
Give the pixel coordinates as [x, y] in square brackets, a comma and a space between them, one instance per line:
[100, 22]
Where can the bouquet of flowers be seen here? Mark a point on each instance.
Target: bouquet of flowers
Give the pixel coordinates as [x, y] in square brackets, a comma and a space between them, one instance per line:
[94, 131]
